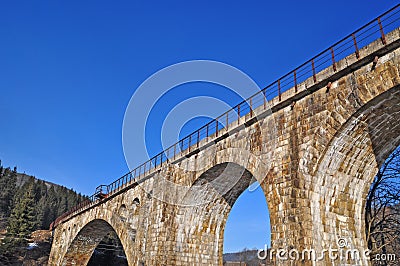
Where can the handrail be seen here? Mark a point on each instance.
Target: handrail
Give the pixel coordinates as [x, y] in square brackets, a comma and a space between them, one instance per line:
[350, 44]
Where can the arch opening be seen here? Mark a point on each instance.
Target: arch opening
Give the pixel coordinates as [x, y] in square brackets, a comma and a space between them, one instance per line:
[108, 252]
[97, 243]
[247, 228]
[218, 189]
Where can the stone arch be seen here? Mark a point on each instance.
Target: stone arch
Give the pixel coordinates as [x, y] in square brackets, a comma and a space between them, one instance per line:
[264, 167]
[346, 170]
[79, 243]
[81, 248]
[201, 221]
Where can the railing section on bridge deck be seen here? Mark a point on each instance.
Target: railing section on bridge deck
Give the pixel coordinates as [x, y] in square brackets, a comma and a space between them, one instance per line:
[349, 45]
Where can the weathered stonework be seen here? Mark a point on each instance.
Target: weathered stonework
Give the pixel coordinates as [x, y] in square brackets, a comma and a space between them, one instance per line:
[315, 163]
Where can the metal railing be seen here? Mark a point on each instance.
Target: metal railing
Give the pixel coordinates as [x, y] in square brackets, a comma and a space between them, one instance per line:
[351, 44]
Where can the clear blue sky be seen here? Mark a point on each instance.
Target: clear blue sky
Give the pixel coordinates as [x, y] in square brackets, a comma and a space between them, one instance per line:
[69, 68]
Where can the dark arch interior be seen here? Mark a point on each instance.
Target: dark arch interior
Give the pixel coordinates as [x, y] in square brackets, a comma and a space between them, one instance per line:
[97, 244]
[382, 117]
[229, 181]
[108, 252]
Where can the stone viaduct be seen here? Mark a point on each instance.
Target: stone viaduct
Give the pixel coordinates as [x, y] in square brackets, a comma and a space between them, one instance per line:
[314, 150]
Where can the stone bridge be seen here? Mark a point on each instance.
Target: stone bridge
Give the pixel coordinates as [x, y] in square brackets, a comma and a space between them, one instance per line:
[314, 149]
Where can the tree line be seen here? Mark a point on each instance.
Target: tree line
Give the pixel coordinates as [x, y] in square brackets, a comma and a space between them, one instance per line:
[28, 204]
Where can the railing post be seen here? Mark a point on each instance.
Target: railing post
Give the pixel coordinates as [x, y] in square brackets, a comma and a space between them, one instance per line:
[227, 121]
[295, 80]
[356, 46]
[167, 154]
[174, 151]
[333, 59]
[216, 127]
[239, 114]
[251, 106]
[383, 38]
[190, 142]
[207, 130]
[198, 138]
[265, 98]
[313, 70]
[279, 90]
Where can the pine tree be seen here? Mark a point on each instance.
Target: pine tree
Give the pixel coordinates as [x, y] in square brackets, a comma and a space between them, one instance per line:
[40, 209]
[51, 207]
[7, 185]
[63, 203]
[23, 219]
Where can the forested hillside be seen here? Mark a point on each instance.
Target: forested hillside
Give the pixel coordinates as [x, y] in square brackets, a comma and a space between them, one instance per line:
[28, 204]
